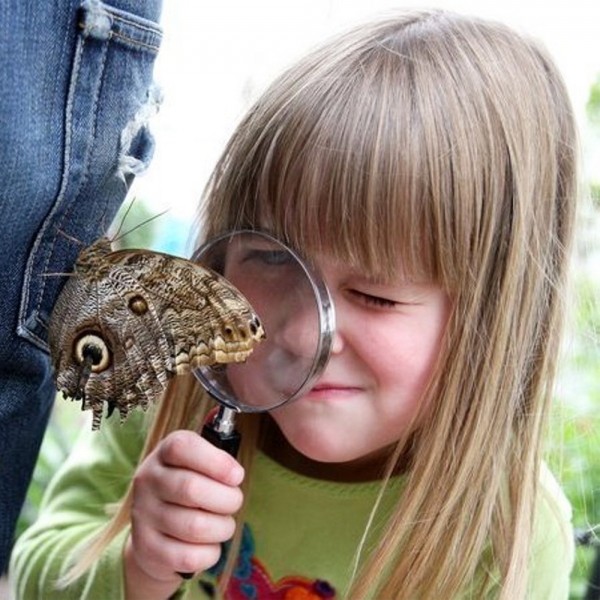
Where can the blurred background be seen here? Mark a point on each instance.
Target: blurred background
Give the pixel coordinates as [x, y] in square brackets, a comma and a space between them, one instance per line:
[216, 59]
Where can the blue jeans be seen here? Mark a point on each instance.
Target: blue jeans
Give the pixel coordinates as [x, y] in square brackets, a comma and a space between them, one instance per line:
[76, 87]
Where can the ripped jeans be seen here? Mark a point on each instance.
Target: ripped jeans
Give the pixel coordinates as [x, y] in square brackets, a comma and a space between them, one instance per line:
[75, 81]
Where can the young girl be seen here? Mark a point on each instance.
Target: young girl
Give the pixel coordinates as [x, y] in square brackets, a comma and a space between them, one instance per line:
[426, 165]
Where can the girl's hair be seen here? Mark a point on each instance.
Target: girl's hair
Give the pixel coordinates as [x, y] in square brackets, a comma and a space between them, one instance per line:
[450, 142]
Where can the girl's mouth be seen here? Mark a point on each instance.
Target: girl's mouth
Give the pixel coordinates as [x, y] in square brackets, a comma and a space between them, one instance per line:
[331, 390]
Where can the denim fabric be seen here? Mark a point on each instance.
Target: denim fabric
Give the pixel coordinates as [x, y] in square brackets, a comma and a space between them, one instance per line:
[75, 81]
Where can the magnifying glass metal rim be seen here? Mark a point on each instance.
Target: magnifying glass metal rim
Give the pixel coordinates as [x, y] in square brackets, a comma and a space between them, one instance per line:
[326, 316]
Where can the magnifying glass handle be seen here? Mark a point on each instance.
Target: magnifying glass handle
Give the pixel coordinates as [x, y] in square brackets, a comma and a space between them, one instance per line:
[221, 432]
[230, 442]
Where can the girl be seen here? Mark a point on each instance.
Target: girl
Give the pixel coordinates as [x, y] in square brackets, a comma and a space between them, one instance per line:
[426, 165]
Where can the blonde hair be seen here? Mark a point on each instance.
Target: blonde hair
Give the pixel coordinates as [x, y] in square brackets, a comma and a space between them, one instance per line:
[449, 141]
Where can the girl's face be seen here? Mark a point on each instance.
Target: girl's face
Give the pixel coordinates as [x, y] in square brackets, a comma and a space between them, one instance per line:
[387, 340]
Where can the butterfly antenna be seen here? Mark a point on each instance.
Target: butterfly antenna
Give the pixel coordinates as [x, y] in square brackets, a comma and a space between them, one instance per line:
[139, 225]
[123, 219]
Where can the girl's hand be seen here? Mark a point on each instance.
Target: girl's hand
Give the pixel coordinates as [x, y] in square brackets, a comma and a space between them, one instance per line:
[185, 494]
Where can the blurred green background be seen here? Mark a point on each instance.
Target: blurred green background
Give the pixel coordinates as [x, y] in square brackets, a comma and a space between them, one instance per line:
[574, 440]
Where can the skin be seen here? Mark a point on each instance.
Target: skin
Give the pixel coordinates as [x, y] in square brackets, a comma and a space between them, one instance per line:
[386, 343]
[186, 492]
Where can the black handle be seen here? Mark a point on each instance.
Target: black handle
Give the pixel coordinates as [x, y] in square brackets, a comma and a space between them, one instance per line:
[230, 442]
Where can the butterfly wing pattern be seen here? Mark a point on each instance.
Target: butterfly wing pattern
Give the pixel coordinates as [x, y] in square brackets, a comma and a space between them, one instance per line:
[127, 321]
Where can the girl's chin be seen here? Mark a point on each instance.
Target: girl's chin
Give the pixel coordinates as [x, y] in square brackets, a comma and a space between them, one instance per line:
[320, 458]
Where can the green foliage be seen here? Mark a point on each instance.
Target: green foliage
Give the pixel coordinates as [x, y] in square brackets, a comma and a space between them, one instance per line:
[595, 194]
[66, 421]
[593, 103]
[575, 440]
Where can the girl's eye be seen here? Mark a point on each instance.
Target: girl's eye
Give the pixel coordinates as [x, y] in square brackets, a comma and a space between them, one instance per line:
[268, 257]
[376, 301]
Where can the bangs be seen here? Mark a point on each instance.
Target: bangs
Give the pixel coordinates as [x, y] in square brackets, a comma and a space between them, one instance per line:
[346, 189]
[329, 162]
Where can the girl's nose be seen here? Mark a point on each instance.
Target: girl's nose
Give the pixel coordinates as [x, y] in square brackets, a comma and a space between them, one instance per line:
[338, 341]
[298, 327]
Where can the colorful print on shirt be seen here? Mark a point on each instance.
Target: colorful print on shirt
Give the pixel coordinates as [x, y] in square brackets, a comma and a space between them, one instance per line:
[251, 579]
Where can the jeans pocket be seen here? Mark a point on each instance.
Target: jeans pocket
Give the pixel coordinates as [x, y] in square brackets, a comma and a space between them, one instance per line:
[106, 141]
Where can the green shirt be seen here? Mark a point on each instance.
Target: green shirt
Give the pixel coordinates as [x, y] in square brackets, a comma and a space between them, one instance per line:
[300, 535]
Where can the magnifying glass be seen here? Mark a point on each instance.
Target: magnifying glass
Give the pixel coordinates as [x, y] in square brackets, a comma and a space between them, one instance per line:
[297, 313]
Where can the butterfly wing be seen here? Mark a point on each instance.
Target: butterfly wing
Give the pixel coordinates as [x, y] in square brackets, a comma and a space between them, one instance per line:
[120, 330]
[102, 353]
[204, 318]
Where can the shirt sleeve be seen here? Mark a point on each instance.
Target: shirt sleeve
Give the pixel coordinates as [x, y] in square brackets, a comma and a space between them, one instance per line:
[75, 507]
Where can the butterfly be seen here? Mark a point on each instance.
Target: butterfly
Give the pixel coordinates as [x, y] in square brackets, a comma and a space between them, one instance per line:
[127, 321]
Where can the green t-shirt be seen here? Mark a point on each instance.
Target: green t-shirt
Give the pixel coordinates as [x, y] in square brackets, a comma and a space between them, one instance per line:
[300, 535]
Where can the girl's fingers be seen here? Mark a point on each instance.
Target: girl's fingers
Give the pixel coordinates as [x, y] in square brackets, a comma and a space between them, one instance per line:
[187, 450]
[182, 469]
[190, 489]
[162, 556]
[184, 495]
[192, 525]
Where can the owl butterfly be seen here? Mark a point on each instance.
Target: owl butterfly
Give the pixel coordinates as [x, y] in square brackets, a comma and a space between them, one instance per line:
[127, 321]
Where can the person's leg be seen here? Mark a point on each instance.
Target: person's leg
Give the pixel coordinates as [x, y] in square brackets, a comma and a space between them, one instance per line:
[76, 80]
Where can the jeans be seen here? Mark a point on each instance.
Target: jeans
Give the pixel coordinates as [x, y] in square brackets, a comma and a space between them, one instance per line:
[76, 91]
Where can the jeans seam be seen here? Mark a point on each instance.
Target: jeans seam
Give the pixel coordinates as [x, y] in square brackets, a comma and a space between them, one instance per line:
[137, 25]
[133, 41]
[118, 17]
[67, 161]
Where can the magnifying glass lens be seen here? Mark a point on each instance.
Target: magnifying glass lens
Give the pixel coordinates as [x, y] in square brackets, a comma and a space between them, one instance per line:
[296, 312]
